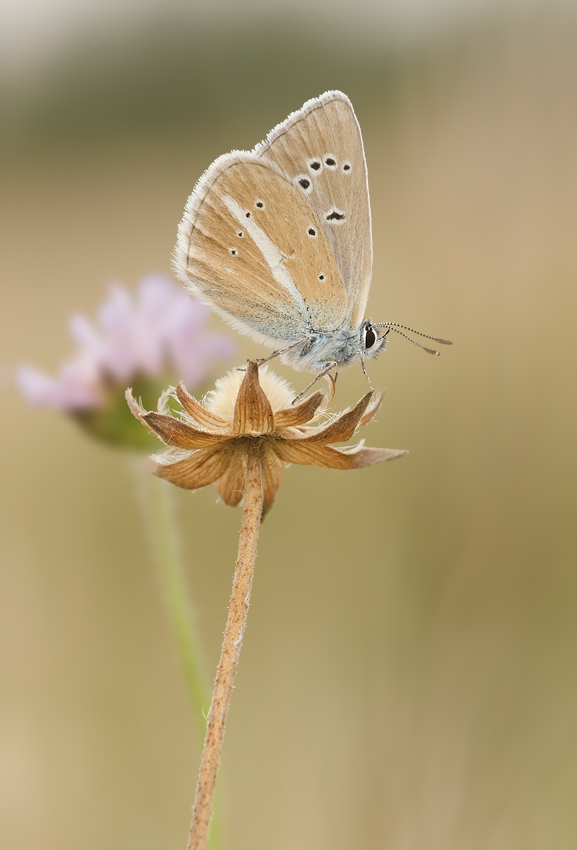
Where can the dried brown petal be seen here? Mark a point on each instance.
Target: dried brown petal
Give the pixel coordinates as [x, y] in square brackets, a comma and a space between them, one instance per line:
[340, 429]
[371, 409]
[199, 414]
[230, 486]
[361, 456]
[135, 406]
[252, 411]
[197, 470]
[290, 417]
[272, 471]
[174, 432]
[304, 453]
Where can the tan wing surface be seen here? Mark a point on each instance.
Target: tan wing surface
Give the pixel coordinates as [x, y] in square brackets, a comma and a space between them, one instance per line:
[252, 245]
[321, 144]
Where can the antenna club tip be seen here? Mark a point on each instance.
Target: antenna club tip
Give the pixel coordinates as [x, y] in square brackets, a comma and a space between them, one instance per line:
[444, 341]
[430, 351]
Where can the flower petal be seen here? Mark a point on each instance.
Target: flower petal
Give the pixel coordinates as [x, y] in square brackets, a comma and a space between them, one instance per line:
[174, 432]
[273, 468]
[77, 388]
[230, 486]
[299, 414]
[340, 429]
[371, 409]
[298, 451]
[252, 411]
[197, 469]
[361, 456]
[135, 406]
[201, 416]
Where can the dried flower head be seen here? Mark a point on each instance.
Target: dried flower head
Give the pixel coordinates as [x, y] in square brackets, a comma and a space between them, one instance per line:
[209, 443]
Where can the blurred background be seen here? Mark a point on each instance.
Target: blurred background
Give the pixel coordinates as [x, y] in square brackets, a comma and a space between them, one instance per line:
[407, 679]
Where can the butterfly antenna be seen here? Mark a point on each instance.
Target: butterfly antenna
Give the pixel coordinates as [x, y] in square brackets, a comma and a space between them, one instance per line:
[418, 344]
[394, 326]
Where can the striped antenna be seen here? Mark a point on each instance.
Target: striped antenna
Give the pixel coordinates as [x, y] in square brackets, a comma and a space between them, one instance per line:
[394, 326]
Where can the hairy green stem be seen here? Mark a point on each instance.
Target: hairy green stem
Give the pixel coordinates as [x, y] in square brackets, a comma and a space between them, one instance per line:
[156, 500]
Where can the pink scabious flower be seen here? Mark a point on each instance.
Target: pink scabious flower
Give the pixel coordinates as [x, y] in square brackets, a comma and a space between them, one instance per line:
[150, 338]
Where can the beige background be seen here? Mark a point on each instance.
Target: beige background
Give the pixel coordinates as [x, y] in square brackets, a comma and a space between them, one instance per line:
[408, 676]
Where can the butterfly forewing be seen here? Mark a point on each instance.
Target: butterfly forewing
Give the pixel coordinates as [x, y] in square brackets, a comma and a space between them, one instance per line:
[253, 246]
[320, 149]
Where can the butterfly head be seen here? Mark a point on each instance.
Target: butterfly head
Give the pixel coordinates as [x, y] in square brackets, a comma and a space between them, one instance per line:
[372, 341]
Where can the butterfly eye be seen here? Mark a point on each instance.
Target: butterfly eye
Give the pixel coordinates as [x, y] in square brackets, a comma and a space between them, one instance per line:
[370, 337]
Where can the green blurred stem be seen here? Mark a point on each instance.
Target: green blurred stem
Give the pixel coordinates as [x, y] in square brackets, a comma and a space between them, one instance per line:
[158, 509]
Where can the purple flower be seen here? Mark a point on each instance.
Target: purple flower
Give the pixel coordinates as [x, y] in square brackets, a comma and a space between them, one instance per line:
[156, 334]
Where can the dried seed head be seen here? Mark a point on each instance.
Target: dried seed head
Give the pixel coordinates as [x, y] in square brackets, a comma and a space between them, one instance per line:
[222, 399]
[210, 443]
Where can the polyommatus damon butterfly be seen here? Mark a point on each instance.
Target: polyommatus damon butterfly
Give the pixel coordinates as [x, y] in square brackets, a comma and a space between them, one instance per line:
[278, 240]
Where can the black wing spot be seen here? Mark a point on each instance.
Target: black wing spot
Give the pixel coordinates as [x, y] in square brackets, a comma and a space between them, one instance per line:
[305, 183]
[315, 165]
[260, 205]
[240, 233]
[233, 251]
[321, 276]
[311, 231]
[330, 161]
[347, 166]
[335, 215]
[248, 215]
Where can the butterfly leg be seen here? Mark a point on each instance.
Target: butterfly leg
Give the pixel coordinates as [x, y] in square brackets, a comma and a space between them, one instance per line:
[364, 370]
[281, 351]
[324, 372]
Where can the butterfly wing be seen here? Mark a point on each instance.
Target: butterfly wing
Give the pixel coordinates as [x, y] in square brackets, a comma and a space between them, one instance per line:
[320, 149]
[252, 246]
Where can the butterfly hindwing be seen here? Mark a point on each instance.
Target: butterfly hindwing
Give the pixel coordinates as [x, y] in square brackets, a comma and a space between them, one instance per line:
[252, 246]
[320, 149]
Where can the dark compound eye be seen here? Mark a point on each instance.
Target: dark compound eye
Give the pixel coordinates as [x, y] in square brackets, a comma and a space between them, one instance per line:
[370, 337]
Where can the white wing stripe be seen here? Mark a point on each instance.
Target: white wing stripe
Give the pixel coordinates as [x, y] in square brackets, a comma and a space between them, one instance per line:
[272, 256]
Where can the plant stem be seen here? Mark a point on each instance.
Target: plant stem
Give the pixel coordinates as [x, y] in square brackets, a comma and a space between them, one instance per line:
[236, 622]
[160, 511]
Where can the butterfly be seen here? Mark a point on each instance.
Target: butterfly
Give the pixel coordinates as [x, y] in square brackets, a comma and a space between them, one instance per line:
[277, 240]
